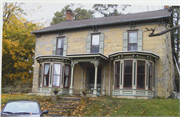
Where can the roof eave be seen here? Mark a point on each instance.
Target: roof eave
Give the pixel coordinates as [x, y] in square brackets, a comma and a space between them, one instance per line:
[98, 24]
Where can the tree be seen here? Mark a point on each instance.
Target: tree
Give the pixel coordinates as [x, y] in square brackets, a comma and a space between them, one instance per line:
[108, 9]
[79, 13]
[18, 45]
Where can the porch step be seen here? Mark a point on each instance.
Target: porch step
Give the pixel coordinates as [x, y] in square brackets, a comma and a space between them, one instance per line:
[54, 115]
[64, 104]
[70, 98]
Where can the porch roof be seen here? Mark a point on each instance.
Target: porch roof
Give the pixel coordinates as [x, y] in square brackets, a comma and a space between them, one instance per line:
[90, 55]
[135, 53]
[52, 57]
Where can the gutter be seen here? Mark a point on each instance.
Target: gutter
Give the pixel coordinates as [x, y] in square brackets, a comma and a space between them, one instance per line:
[81, 26]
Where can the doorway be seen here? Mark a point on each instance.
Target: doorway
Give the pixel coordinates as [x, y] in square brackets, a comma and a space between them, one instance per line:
[90, 70]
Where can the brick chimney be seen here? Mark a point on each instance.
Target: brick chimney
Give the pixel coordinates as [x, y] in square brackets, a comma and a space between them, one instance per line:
[166, 7]
[69, 15]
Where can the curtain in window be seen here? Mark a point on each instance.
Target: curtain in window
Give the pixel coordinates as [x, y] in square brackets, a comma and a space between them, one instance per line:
[133, 37]
[60, 43]
[46, 74]
[56, 76]
[66, 76]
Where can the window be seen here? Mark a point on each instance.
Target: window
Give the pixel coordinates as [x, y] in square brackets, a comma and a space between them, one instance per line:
[95, 43]
[46, 75]
[39, 80]
[150, 76]
[59, 47]
[132, 41]
[141, 74]
[66, 76]
[128, 74]
[117, 74]
[56, 75]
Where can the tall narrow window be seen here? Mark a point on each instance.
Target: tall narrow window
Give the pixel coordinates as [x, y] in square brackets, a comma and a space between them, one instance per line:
[39, 79]
[56, 75]
[150, 76]
[117, 74]
[46, 75]
[141, 74]
[59, 47]
[128, 74]
[66, 76]
[132, 41]
[95, 43]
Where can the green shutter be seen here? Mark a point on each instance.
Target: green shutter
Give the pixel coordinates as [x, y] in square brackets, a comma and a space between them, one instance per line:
[101, 43]
[54, 46]
[65, 46]
[125, 41]
[88, 44]
[140, 39]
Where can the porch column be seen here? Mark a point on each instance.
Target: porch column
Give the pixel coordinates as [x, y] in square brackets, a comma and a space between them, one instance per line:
[103, 88]
[96, 63]
[72, 74]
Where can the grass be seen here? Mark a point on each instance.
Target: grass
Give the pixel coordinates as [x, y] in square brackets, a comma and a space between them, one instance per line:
[108, 106]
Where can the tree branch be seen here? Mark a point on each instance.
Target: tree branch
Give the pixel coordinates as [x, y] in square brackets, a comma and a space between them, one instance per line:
[158, 34]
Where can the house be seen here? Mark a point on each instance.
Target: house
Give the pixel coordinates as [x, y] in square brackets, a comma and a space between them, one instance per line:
[111, 55]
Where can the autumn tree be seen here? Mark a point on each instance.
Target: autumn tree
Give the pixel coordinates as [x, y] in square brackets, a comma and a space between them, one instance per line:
[109, 9]
[18, 45]
[79, 13]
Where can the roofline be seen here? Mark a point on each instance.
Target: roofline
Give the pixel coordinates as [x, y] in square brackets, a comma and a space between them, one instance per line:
[81, 26]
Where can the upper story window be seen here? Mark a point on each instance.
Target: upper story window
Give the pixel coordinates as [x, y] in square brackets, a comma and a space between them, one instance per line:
[59, 47]
[132, 42]
[95, 43]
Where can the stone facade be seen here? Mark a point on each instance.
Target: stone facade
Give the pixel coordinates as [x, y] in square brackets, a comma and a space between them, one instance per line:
[113, 42]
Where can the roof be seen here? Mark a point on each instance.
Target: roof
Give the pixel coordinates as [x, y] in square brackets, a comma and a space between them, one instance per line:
[124, 18]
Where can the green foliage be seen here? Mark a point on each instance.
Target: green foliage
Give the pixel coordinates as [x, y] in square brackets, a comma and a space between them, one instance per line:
[109, 9]
[18, 45]
[79, 13]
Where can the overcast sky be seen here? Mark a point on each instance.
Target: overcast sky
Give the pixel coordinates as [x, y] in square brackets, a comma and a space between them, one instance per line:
[49, 7]
[47, 10]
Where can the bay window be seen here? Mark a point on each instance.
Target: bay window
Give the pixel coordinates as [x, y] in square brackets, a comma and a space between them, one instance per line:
[117, 74]
[46, 75]
[67, 76]
[56, 75]
[150, 76]
[95, 43]
[128, 74]
[140, 74]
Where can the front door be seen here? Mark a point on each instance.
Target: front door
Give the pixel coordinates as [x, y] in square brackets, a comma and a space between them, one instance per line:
[90, 78]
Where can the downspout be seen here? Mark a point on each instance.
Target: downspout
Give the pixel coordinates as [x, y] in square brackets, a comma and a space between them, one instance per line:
[155, 79]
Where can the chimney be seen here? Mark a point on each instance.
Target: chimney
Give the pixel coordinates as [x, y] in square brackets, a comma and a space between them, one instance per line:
[69, 15]
[166, 7]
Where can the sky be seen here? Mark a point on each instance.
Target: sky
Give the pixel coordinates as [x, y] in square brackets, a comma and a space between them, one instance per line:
[49, 7]
[47, 10]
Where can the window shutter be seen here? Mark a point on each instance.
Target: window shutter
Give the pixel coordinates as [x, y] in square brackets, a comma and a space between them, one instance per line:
[125, 41]
[140, 36]
[65, 46]
[88, 45]
[54, 46]
[101, 43]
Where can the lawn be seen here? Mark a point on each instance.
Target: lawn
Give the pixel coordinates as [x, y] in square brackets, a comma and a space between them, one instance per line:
[108, 106]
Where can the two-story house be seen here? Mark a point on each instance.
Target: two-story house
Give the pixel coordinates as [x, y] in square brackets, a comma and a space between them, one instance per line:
[110, 55]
